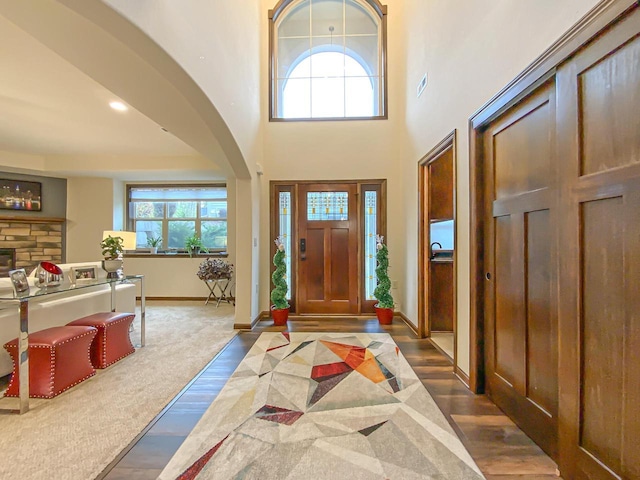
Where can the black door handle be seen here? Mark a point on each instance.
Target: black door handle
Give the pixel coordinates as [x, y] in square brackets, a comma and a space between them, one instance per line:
[303, 245]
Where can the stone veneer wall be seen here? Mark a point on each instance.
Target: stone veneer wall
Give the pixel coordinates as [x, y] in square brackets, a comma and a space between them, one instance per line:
[34, 241]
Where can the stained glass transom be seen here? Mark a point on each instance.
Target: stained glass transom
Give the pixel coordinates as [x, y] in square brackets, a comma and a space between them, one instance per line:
[370, 231]
[327, 206]
[284, 210]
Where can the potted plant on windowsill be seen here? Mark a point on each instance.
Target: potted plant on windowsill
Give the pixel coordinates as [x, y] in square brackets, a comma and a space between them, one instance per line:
[384, 307]
[280, 307]
[194, 245]
[112, 249]
[154, 243]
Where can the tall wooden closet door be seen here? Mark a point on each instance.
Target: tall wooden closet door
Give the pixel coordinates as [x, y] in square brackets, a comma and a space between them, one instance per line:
[521, 283]
[599, 150]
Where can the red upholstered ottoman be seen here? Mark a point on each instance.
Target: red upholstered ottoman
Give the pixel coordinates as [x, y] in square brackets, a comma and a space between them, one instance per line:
[112, 342]
[58, 360]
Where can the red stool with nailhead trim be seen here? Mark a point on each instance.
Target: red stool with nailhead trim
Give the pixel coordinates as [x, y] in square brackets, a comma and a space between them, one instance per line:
[58, 360]
[112, 342]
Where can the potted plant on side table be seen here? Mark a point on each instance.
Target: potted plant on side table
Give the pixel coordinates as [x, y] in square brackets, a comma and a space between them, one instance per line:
[112, 249]
[384, 307]
[194, 245]
[280, 307]
[154, 243]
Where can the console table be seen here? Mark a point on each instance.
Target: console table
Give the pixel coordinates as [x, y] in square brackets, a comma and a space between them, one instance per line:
[23, 307]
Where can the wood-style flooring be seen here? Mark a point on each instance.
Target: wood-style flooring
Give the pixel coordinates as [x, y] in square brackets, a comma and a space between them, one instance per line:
[499, 447]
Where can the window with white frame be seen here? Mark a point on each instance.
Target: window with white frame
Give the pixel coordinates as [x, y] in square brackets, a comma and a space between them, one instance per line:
[328, 59]
[175, 213]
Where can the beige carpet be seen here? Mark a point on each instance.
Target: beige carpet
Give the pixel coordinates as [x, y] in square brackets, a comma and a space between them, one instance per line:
[77, 434]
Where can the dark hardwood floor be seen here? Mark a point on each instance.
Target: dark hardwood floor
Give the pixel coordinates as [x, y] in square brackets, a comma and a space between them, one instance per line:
[499, 447]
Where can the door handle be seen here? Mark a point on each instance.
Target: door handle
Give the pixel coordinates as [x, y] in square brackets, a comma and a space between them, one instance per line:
[431, 254]
[303, 248]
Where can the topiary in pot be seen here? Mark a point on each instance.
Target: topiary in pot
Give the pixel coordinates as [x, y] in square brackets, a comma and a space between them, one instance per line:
[384, 307]
[280, 307]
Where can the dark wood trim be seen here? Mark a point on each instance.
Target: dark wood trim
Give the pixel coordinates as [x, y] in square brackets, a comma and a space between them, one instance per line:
[176, 299]
[408, 322]
[33, 219]
[275, 188]
[463, 377]
[364, 181]
[174, 255]
[449, 142]
[249, 326]
[476, 261]
[381, 11]
[276, 11]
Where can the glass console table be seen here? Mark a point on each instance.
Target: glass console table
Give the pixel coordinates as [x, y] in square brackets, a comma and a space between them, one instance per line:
[23, 300]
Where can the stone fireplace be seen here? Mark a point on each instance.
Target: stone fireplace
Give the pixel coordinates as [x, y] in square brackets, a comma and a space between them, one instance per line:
[7, 261]
[29, 241]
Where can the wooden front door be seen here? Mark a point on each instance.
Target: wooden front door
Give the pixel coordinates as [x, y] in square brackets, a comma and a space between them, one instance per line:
[520, 304]
[327, 255]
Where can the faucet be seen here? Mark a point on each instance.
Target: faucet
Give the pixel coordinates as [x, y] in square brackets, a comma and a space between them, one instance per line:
[431, 254]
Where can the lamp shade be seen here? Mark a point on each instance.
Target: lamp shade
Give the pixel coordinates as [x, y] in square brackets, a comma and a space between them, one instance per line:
[129, 238]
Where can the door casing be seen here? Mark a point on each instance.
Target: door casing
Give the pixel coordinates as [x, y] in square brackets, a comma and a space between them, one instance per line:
[424, 241]
[364, 306]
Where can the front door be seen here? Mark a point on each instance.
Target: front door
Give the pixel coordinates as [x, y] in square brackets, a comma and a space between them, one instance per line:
[327, 254]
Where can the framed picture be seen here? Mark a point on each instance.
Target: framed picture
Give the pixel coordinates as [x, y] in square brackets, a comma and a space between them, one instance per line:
[20, 195]
[83, 274]
[19, 280]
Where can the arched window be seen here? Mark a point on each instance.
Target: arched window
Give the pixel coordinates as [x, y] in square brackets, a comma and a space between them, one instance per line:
[328, 59]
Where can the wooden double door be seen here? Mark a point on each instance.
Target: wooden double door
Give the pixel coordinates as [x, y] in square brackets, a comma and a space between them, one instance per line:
[330, 230]
[562, 258]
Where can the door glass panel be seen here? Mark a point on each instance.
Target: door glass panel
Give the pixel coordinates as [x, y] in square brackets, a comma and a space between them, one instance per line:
[442, 232]
[327, 206]
[284, 210]
[370, 231]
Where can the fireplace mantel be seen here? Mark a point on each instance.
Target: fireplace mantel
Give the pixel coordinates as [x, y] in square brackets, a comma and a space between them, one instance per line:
[31, 219]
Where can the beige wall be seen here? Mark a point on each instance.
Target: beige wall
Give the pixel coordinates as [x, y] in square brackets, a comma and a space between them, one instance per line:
[343, 150]
[90, 207]
[470, 51]
[218, 44]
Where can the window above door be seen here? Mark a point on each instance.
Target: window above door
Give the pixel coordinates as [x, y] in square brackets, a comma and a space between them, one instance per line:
[327, 60]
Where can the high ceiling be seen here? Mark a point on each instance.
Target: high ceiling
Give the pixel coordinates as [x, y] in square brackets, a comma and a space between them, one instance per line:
[49, 107]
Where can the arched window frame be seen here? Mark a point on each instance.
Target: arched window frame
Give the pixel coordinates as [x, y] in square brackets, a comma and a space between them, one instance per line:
[275, 104]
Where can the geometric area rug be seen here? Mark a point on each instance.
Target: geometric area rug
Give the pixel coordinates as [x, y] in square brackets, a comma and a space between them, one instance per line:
[323, 406]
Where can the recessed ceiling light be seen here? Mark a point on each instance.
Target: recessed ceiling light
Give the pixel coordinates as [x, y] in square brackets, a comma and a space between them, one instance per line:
[119, 106]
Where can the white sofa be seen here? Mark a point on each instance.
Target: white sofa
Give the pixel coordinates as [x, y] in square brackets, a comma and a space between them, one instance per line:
[59, 309]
